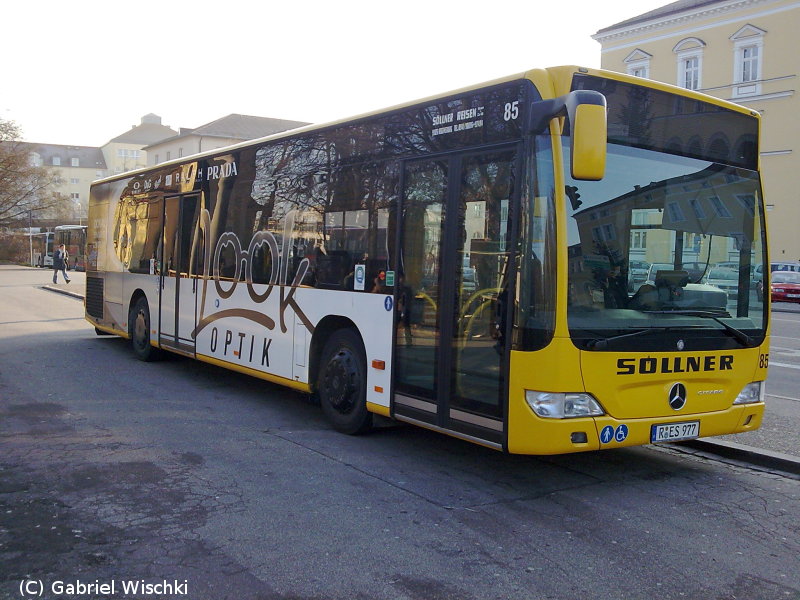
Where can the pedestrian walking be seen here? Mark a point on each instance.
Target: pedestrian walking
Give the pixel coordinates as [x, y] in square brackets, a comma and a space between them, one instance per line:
[60, 258]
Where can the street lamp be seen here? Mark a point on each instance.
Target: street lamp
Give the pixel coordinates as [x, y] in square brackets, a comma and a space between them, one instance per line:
[79, 209]
[30, 233]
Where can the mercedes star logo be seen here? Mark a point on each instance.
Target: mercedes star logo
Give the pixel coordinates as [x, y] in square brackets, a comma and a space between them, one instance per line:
[677, 396]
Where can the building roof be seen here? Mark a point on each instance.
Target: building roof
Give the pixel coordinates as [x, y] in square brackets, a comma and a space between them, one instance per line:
[238, 127]
[89, 157]
[149, 131]
[660, 13]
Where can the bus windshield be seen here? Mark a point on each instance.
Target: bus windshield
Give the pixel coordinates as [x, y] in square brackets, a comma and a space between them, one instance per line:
[663, 250]
[663, 241]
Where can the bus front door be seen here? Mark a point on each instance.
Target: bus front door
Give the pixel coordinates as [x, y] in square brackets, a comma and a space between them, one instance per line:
[178, 286]
[450, 352]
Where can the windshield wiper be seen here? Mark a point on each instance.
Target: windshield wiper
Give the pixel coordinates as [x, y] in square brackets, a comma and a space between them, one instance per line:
[602, 343]
[707, 314]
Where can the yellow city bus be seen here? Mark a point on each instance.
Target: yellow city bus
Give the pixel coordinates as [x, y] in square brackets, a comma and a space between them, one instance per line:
[522, 264]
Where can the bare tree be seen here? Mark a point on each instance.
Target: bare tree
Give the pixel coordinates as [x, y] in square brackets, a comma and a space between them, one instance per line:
[26, 190]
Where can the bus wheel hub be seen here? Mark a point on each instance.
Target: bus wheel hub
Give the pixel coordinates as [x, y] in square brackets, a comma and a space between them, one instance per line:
[339, 381]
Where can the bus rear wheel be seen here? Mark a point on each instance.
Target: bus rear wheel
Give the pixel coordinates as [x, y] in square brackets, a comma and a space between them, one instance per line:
[342, 383]
[139, 330]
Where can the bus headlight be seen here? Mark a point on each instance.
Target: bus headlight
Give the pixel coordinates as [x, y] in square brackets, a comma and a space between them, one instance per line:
[552, 405]
[752, 392]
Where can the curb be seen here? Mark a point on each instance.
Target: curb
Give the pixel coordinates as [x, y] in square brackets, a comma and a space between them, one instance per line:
[63, 291]
[784, 309]
[777, 461]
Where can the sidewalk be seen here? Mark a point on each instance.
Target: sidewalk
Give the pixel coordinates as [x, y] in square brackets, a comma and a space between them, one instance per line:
[76, 288]
[66, 290]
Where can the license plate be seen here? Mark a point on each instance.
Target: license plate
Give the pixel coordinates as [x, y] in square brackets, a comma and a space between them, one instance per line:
[673, 432]
[793, 295]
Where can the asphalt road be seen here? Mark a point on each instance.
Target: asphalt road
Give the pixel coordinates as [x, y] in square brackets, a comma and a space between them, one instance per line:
[112, 470]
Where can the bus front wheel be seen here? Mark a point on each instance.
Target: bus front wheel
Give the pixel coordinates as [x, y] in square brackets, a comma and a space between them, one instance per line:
[139, 331]
[342, 383]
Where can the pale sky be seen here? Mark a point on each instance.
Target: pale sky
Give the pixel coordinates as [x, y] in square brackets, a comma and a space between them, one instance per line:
[86, 71]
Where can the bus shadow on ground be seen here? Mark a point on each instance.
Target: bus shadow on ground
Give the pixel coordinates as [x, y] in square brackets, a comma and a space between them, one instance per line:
[445, 471]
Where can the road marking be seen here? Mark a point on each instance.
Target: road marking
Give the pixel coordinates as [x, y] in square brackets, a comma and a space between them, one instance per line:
[783, 397]
[786, 352]
[777, 364]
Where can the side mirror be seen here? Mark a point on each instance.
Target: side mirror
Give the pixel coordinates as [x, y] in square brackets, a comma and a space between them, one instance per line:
[586, 112]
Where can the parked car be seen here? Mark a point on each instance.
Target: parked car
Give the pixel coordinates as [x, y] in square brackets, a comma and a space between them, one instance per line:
[758, 273]
[668, 288]
[785, 286]
[735, 266]
[725, 279]
[694, 270]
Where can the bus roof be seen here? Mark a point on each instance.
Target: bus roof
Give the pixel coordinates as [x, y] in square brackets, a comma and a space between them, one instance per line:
[551, 82]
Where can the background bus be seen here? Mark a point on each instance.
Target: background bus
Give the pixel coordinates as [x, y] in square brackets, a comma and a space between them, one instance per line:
[464, 263]
[42, 249]
[74, 238]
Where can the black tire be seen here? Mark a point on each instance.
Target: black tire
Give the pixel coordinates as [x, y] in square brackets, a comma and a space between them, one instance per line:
[342, 383]
[139, 331]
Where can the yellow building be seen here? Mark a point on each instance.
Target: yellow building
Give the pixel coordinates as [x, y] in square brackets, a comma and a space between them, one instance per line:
[126, 152]
[744, 51]
[76, 167]
[222, 132]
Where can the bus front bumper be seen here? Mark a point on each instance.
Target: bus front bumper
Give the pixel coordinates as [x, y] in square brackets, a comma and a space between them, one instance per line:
[531, 434]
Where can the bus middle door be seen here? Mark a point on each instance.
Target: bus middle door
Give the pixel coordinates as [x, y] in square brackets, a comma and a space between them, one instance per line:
[450, 355]
[178, 286]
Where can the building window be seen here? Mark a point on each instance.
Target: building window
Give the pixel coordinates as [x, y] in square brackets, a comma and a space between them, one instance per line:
[699, 213]
[74, 181]
[748, 57]
[689, 53]
[125, 153]
[675, 212]
[75, 162]
[749, 63]
[637, 63]
[720, 208]
[169, 154]
[56, 161]
[691, 72]
[639, 240]
[180, 152]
